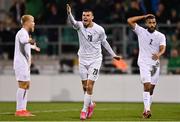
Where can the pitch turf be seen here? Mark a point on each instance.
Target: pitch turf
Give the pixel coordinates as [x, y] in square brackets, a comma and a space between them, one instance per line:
[69, 111]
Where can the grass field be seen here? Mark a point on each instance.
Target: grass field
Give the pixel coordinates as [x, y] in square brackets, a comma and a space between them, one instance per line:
[69, 111]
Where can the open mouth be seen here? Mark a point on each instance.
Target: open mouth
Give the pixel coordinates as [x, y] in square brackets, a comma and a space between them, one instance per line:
[85, 20]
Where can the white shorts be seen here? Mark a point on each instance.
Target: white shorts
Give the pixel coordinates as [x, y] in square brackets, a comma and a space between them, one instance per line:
[89, 70]
[149, 73]
[22, 74]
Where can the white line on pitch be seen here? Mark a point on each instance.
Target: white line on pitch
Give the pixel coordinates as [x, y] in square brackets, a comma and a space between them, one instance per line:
[65, 110]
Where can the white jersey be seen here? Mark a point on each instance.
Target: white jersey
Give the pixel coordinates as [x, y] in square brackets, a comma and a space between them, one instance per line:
[149, 44]
[22, 53]
[90, 40]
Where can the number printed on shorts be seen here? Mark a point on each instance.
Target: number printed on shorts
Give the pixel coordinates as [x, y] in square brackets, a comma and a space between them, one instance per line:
[95, 72]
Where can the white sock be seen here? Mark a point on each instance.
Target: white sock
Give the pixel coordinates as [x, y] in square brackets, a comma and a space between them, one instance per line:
[91, 103]
[20, 99]
[25, 99]
[150, 101]
[146, 99]
[87, 101]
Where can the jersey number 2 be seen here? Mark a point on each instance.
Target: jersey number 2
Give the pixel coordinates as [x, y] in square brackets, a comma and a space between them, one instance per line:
[151, 42]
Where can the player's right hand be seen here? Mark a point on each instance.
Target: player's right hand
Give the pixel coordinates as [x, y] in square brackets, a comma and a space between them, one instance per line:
[118, 57]
[147, 15]
[68, 8]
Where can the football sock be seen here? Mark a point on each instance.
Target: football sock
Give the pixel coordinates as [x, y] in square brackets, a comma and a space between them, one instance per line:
[19, 99]
[91, 103]
[146, 99]
[87, 101]
[150, 101]
[25, 99]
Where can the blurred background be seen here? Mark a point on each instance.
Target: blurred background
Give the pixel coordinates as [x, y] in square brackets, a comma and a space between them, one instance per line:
[59, 42]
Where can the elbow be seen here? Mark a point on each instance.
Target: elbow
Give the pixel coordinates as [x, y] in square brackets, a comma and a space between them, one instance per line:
[164, 50]
[129, 21]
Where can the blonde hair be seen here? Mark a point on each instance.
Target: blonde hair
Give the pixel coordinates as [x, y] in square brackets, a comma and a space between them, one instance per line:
[25, 18]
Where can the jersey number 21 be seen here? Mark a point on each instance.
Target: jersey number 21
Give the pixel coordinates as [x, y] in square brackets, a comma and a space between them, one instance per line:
[90, 38]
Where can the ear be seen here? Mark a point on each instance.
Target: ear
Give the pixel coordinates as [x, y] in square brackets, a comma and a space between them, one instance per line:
[92, 17]
[146, 23]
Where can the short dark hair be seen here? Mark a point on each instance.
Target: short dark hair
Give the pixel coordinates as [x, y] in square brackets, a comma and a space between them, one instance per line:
[88, 10]
[150, 17]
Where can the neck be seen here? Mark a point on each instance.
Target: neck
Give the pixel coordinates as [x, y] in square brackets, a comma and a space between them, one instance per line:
[26, 28]
[89, 26]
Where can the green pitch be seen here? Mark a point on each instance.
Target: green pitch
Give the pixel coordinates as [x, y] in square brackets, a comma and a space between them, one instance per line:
[69, 111]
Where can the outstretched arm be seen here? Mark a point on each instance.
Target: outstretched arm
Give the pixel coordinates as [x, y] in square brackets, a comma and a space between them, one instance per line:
[109, 49]
[107, 46]
[34, 46]
[70, 17]
[133, 20]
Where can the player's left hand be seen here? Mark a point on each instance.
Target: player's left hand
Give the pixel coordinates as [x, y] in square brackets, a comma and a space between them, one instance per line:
[117, 57]
[37, 49]
[155, 57]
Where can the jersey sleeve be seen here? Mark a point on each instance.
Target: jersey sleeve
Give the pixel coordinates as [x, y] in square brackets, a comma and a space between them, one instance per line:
[75, 23]
[138, 29]
[103, 35]
[23, 39]
[106, 44]
[27, 49]
[163, 40]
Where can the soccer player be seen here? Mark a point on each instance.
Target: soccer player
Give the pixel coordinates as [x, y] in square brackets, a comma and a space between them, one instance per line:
[91, 37]
[22, 62]
[152, 45]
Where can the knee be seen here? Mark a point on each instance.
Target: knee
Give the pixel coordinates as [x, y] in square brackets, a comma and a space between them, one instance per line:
[147, 87]
[89, 89]
[151, 92]
[84, 86]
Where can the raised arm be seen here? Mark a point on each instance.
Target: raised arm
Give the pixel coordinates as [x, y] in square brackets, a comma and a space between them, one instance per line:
[71, 18]
[133, 20]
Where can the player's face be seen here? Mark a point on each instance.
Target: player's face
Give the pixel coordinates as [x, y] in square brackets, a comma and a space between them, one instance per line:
[151, 25]
[87, 18]
[31, 24]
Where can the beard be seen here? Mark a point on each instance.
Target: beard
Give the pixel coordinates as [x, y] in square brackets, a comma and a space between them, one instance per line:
[32, 29]
[85, 25]
[151, 29]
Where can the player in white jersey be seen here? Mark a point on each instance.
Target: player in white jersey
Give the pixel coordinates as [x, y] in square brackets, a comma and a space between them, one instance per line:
[91, 37]
[22, 62]
[152, 45]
